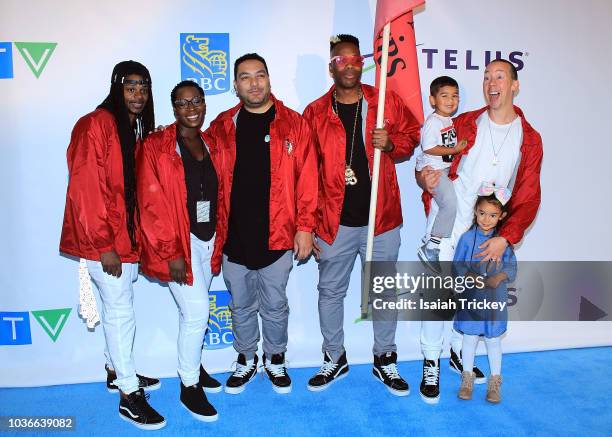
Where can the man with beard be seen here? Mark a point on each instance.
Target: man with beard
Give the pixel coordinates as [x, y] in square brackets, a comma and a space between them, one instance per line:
[269, 172]
[343, 121]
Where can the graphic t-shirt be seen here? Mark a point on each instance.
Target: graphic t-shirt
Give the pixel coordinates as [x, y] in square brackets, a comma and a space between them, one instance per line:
[437, 131]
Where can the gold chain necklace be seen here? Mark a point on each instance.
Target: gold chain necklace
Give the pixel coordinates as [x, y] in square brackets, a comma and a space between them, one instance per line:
[349, 174]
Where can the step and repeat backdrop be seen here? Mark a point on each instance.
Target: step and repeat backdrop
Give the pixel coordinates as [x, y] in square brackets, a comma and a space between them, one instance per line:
[55, 64]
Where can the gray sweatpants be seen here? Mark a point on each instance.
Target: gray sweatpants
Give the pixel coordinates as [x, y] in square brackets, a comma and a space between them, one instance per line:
[335, 267]
[259, 291]
[446, 199]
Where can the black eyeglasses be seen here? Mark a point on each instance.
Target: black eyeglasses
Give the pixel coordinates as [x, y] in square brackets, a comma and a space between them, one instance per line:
[184, 103]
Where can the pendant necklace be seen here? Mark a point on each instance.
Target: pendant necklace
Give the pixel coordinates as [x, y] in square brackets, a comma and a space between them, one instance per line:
[496, 152]
[349, 174]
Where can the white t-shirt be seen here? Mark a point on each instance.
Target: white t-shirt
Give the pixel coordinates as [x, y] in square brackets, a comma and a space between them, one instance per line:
[493, 158]
[437, 131]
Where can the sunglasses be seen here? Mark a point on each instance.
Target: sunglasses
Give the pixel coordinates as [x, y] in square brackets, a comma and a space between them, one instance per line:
[343, 61]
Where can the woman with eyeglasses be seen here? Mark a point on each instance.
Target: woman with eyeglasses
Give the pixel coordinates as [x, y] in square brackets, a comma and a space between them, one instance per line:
[178, 192]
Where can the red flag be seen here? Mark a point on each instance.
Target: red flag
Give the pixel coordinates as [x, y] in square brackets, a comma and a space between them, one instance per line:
[402, 67]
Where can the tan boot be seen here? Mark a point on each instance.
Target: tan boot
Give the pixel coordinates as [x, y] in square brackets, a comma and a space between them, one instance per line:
[494, 389]
[467, 386]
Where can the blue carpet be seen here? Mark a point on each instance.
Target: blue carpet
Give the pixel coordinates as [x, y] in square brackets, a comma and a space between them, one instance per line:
[566, 392]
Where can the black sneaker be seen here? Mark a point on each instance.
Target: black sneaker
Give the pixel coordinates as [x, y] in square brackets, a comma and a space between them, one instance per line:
[244, 373]
[330, 372]
[456, 365]
[144, 382]
[209, 384]
[277, 372]
[430, 385]
[194, 400]
[135, 409]
[385, 370]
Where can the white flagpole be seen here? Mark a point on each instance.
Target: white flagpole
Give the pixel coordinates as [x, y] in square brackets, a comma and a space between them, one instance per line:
[382, 86]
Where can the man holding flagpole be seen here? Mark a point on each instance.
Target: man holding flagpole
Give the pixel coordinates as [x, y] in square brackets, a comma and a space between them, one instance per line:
[343, 121]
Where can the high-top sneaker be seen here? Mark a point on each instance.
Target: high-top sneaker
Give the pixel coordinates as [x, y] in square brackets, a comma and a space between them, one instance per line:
[209, 384]
[430, 384]
[144, 382]
[329, 373]
[135, 409]
[244, 373]
[194, 400]
[385, 370]
[430, 257]
[277, 372]
[456, 365]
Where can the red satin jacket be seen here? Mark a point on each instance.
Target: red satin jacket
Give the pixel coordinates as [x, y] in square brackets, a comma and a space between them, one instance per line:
[330, 140]
[95, 216]
[162, 197]
[526, 193]
[293, 178]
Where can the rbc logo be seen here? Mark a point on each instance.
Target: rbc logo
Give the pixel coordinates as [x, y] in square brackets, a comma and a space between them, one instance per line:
[204, 60]
[219, 334]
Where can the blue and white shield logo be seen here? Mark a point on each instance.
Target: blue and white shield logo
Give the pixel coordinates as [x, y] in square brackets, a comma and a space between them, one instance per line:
[204, 59]
[219, 334]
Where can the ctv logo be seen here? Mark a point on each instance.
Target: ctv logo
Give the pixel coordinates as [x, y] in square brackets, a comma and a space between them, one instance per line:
[204, 60]
[15, 326]
[35, 54]
[219, 334]
[468, 59]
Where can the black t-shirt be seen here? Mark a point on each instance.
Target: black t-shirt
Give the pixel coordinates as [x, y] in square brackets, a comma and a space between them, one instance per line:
[202, 185]
[249, 220]
[356, 206]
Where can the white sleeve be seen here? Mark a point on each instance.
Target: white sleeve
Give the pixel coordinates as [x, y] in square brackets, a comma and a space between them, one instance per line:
[431, 133]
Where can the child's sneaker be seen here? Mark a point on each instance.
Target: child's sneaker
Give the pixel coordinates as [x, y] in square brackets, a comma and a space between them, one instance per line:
[430, 257]
[494, 389]
[467, 386]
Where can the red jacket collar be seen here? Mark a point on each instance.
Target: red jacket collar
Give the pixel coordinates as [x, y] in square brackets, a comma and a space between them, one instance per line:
[369, 93]
[529, 133]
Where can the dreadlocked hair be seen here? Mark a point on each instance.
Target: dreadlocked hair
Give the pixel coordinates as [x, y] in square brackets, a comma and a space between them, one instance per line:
[145, 123]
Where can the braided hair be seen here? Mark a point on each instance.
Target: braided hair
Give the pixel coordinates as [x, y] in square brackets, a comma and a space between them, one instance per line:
[115, 104]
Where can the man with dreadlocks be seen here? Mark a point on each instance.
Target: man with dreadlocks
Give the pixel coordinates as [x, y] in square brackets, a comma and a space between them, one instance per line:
[343, 120]
[101, 219]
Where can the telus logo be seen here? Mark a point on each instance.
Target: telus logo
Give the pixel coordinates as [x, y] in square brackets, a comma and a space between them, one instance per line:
[450, 59]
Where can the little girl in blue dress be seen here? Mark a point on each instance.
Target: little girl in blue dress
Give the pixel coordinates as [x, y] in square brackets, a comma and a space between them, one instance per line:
[489, 211]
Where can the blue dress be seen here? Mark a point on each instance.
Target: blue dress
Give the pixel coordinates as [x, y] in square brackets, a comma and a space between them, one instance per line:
[490, 323]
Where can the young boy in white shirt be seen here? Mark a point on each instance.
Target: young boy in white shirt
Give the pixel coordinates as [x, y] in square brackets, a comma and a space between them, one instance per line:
[439, 145]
